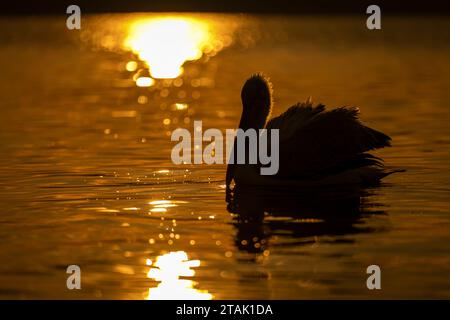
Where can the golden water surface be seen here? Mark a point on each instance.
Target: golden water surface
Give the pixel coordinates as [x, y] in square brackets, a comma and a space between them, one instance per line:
[87, 178]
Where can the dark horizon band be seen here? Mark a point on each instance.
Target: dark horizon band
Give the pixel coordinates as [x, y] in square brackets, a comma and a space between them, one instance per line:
[326, 7]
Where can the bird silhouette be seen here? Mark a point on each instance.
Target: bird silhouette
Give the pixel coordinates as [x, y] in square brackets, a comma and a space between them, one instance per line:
[317, 148]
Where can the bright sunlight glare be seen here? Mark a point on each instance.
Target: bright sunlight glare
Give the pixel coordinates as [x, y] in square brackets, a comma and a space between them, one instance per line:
[167, 269]
[166, 43]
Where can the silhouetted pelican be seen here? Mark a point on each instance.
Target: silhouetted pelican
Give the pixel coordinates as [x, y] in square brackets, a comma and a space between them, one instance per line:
[317, 148]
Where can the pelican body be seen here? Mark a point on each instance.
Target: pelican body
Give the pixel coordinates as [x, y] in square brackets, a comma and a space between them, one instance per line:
[317, 148]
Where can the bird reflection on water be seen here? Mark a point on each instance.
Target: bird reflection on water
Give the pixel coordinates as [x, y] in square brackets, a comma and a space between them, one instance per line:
[301, 213]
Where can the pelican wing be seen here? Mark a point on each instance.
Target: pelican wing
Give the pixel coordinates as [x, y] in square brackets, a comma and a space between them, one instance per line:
[314, 141]
[296, 117]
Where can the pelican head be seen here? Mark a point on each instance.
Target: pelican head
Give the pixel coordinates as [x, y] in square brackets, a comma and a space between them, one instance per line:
[256, 98]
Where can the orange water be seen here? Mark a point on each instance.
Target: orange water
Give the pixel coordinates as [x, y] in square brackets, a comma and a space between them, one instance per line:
[87, 178]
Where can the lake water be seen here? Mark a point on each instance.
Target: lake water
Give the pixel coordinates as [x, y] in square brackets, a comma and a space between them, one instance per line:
[87, 178]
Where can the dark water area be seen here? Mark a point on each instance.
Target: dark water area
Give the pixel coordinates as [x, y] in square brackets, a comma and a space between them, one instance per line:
[87, 177]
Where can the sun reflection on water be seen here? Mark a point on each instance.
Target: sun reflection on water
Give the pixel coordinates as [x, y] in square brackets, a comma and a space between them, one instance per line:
[166, 43]
[162, 205]
[167, 269]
